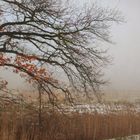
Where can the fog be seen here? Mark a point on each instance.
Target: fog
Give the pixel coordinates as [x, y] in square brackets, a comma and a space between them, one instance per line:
[124, 72]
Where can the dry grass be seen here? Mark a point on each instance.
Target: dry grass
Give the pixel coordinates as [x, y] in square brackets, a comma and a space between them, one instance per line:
[17, 123]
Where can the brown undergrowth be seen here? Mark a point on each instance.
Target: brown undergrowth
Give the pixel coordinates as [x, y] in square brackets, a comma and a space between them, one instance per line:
[18, 123]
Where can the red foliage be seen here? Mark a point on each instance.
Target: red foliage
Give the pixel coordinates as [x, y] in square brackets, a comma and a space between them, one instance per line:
[27, 64]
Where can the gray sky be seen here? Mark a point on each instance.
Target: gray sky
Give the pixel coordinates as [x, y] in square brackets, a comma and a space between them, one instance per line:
[124, 73]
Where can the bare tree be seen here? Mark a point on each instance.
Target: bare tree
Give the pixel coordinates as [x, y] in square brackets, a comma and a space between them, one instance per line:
[36, 33]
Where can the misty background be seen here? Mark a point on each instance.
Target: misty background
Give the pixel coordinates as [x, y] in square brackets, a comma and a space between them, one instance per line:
[124, 71]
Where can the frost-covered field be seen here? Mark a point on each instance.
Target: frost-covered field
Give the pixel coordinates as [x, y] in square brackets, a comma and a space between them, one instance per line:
[101, 108]
[133, 137]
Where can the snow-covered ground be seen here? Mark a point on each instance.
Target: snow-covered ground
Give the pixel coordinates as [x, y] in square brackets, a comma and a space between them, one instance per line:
[101, 108]
[134, 137]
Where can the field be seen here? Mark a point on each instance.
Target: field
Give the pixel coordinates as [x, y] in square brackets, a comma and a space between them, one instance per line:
[81, 122]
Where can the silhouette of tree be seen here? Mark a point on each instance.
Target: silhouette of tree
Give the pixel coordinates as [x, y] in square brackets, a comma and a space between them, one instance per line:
[40, 38]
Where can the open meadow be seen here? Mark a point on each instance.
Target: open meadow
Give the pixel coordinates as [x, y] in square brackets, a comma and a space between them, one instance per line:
[96, 121]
